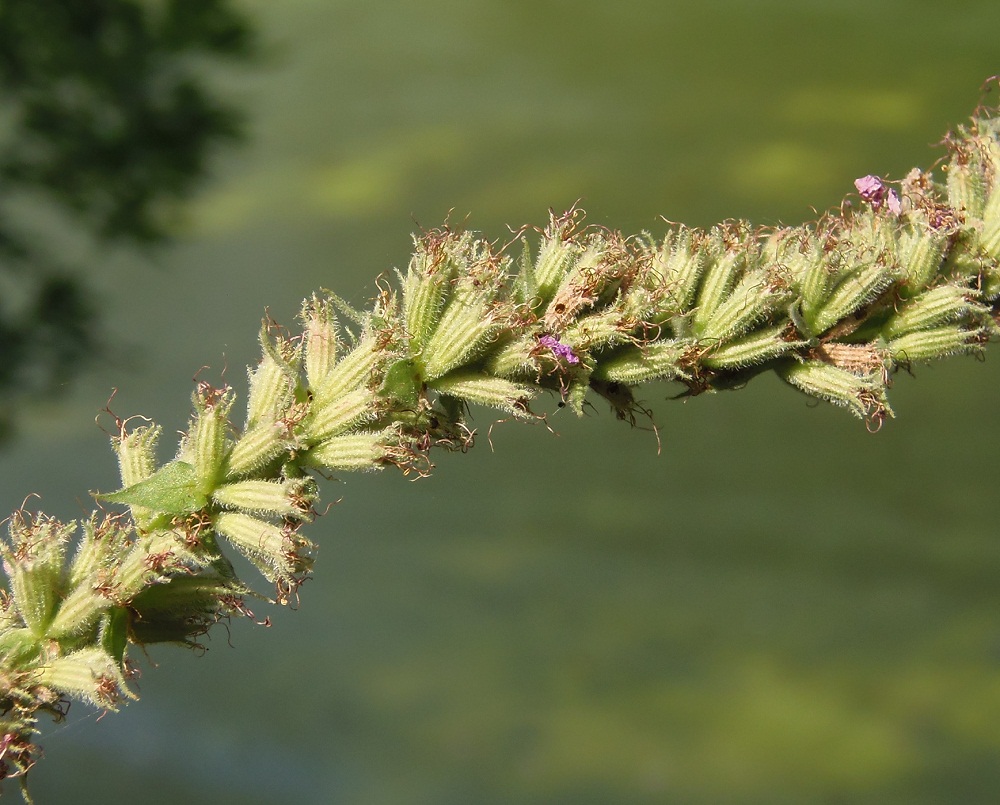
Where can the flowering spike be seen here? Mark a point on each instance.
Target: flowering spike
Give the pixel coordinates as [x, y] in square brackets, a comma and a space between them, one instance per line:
[835, 308]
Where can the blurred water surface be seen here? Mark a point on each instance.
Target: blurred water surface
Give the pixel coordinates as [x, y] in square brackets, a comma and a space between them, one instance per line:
[778, 608]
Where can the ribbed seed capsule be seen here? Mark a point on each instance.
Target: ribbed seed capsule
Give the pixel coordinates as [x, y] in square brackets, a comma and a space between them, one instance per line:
[272, 382]
[206, 443]
[854, 291]
[921, 251]
[465, 326]
[938, 342]
[556, 256]
[320, 338]
[263, 543]
[633, 365]
[586, 281]
[966, 192]
[136, 451]
[352, 451]
[351, 371]
[720, 275]
[750, 350]
[256, 448]
[341, 413]
[78, 611]
[596, 332]
[753, 299]
[680, 262]
[990, 235]
[426, 284]
[33, 560]
[482, 389]
[136, 462]
[90, 674]
[944, 303]
[862, 395]
[515, 359]
[150, 560]
[287, 498]
[98, 543]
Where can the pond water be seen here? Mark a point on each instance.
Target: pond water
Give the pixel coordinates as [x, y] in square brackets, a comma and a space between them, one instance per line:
[779, 607]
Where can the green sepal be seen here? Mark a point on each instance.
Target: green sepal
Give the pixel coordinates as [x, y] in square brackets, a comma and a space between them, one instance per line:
[19, 647]
[173, 489]
[182, 610]
[403, 382]
[114, 633]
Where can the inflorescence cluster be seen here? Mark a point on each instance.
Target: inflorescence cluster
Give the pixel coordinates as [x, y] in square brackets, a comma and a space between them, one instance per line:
[909, 273]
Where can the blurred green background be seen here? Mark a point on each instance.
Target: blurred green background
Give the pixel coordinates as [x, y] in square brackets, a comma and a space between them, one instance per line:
[779, 608]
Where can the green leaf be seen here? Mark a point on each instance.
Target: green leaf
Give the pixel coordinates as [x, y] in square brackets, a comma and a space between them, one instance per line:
[173, 489]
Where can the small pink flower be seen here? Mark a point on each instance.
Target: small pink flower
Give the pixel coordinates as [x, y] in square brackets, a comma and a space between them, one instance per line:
[893, 203]
[559, 349]
[874, 191]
